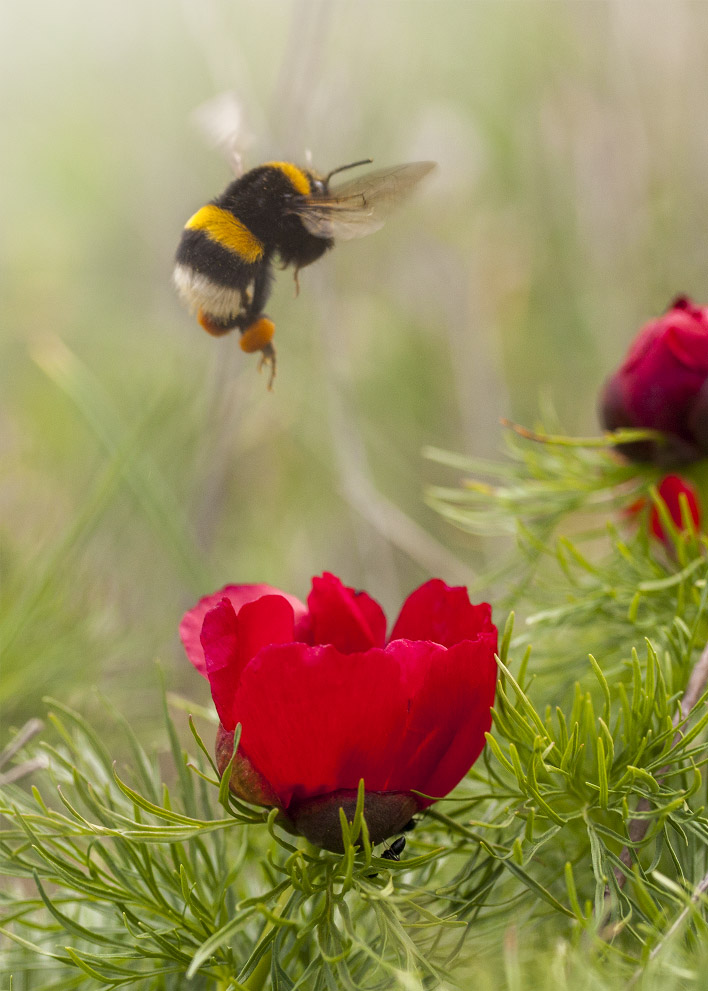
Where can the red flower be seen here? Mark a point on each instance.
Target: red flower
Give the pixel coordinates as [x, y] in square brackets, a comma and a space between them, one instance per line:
[324, 699]
[670, 489]
[662, 385]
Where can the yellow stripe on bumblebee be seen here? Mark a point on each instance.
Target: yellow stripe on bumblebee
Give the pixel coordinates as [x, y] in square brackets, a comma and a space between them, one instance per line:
[298, 179]
[228, 231]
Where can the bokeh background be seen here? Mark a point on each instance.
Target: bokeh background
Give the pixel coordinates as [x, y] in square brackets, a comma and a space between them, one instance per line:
[144, 463]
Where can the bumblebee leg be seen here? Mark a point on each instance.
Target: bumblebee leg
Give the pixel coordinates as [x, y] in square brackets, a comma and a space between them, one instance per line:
[261, 290]
[268, 358]
[258, 336]
[297, 282]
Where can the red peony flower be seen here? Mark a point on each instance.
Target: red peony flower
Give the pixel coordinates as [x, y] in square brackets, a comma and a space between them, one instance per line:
[324, 699]
[662, 385]
[670, 490]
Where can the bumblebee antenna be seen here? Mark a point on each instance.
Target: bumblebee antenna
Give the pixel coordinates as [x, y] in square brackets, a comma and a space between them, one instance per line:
[343, 168]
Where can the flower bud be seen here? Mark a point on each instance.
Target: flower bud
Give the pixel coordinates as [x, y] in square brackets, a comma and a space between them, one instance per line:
[663, 385]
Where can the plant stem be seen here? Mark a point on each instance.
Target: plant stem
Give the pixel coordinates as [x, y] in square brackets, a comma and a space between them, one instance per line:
[637, 827]
[257, 978]
[698, 892]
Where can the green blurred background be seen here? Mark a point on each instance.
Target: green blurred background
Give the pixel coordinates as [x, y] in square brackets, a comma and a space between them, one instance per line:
[145, 463]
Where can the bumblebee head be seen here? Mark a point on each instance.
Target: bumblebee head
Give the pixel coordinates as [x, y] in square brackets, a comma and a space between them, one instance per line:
[318, 185]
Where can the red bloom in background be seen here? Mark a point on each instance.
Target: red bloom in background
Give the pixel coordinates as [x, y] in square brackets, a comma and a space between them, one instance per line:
[670, 489]
[663, 385]
[324, 699]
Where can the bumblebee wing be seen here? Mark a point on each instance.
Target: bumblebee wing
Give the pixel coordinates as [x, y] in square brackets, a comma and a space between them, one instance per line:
[361, 206]
[221, 122]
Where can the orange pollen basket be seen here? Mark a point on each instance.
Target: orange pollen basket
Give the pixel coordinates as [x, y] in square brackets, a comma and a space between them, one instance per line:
[258, 336]
[210, 325]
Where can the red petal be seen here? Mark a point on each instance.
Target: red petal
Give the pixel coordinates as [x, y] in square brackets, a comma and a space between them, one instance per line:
[316, 720]
[230, 642]
[219, 640]
[449, 715]
[191, 626]
[687, 340]
[643, 344]
[411, 716]
[670, 489]
[443, 614]
[268, 620]
[665, 368]
[351, 621]
[613, 410]
[374, 615]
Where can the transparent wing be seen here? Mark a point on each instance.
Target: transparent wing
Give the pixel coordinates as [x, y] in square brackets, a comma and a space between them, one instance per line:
[361, 206]
[221, 122]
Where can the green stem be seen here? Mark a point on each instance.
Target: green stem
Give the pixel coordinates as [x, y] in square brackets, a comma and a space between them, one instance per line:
[257, 978]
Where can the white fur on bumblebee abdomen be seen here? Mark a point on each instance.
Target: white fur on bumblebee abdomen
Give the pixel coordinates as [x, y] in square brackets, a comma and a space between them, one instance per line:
[197, 291]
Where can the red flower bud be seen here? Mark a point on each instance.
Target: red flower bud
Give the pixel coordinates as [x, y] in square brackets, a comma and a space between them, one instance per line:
[663, 385]
[670, 490]
[325, 700]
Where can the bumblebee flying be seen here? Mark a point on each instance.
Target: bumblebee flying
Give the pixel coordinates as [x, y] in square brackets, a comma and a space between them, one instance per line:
[278, 210]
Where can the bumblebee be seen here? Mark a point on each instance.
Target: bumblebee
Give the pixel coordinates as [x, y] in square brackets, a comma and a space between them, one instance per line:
[224, 262]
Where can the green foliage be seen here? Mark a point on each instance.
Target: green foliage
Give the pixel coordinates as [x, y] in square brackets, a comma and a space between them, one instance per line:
[583, 558]
[141, 884]
[573, 780]
[544, 478]
[595, 769]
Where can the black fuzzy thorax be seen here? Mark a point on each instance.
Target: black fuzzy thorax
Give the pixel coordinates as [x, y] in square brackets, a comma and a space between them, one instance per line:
[262, 199]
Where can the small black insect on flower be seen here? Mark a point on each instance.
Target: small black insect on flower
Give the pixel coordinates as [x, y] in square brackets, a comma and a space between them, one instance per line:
[395, 850]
